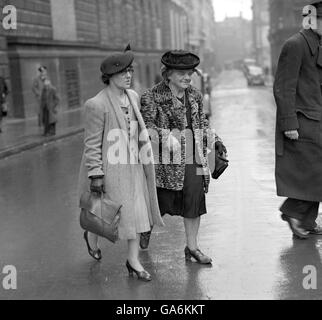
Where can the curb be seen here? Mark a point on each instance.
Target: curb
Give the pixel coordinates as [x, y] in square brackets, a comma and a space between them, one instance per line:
[5, 153]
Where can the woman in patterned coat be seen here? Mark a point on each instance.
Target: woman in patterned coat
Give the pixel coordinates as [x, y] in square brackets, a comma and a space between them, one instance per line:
[173, 113]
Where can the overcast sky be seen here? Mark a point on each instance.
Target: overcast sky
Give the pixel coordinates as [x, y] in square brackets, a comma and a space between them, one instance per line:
[232, 8]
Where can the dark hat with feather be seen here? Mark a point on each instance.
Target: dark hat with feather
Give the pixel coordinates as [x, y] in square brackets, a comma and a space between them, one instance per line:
[117, 62]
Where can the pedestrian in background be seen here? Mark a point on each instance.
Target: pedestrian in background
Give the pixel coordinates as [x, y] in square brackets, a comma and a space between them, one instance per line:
[117, 109]
[174, 104]
[4, 91]
[49, 101]
[297, 91]
[37, 86]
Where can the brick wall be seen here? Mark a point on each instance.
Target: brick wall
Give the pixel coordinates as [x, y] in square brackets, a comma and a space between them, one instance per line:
[34, 18]
[103, 22]
[140, 34]
[4, 61]
[154, 23]
[130, 27]
[147, 24]
[166, 24]
[102, 26]
[87, 20]
[3, 55]
[285, 20]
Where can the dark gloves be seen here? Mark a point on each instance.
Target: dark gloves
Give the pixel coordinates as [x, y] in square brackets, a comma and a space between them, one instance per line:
[97, 185]
[220, 147]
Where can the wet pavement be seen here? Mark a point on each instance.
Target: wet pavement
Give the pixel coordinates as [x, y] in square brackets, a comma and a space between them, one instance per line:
[19, 135]
[254, 254]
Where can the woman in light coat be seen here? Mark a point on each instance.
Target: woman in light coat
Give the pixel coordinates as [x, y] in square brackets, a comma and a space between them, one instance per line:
[116, 162]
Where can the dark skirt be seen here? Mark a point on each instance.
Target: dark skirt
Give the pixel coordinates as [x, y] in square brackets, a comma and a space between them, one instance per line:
[189, 202]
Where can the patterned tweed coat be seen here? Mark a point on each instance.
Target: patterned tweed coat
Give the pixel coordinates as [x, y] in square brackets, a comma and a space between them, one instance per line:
[162, 114]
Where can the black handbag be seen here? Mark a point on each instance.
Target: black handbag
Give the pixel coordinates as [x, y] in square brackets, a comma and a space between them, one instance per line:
[218, 163]
[100, 216]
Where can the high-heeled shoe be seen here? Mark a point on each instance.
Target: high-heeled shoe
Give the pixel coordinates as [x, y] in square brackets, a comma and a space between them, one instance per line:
[142, 275]
[197, 255]
[96, 254]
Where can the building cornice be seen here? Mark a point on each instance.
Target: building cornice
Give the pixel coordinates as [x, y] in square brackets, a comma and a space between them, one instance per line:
[42, 43]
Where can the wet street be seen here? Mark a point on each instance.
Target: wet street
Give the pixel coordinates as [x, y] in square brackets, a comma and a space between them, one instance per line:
[254, 254]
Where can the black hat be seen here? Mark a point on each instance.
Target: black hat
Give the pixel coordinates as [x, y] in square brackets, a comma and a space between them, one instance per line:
[318, 6]
[180, 60]
[42, 68]
[117, 62]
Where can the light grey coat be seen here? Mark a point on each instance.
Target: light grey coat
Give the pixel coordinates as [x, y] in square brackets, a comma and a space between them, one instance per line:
[102, 114]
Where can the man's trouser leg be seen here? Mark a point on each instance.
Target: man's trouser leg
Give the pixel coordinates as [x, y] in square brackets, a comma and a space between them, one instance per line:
[309, 222]
[52, 128]
[305, 211]
[46, 121]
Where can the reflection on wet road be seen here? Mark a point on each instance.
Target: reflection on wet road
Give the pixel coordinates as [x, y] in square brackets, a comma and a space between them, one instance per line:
[253, 251]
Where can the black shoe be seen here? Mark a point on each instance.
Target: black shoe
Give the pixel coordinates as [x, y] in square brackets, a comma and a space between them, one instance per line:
[197, 255]
[145, 239]
[294, 225]
[96, 254]
[142, 275]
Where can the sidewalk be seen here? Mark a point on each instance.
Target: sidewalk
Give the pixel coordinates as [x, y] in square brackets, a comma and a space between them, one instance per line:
[22, 134]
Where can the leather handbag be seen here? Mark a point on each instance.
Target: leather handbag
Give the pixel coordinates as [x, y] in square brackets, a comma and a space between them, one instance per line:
[100, 216]
[218, 163]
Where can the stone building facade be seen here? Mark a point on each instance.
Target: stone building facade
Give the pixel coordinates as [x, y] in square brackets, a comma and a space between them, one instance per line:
[200, 21]
[234, 41]
[261, 26]
[285, 20]
[72, 37]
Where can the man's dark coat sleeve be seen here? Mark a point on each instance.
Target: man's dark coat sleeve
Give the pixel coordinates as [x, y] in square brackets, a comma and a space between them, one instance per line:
[285, 85]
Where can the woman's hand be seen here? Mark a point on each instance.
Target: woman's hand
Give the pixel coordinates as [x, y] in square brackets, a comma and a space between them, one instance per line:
[97, 185]
[220, 147]
[173, 144]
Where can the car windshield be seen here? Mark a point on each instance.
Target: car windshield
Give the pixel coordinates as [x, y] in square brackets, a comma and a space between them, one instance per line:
[249, 62]
[255, 70]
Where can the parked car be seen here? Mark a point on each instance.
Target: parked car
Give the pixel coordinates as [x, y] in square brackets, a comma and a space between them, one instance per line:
[246, 63]
[255, 76]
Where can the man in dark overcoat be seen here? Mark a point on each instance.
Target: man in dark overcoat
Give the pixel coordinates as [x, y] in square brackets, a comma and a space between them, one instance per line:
[297, 91]
[37, 86]
[4, 91]
[48, 102]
